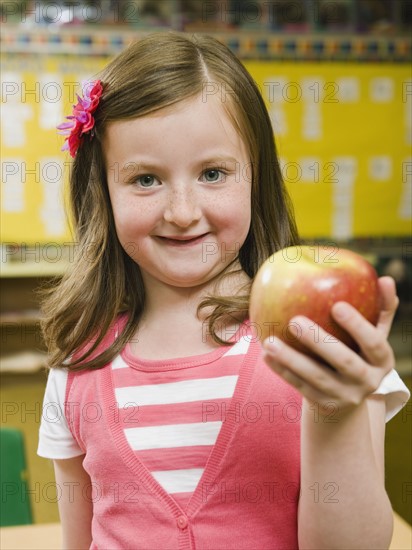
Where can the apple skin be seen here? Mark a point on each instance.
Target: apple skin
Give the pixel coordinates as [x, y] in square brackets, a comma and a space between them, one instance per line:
[308, 280]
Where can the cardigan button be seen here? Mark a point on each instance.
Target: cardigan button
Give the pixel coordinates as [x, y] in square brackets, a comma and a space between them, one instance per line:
[182, 522]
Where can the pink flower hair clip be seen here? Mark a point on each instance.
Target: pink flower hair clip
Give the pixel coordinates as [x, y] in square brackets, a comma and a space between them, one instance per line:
[81, 121]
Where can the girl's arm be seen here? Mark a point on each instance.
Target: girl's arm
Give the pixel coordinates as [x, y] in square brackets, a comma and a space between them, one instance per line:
[343, 502]
[75, 509]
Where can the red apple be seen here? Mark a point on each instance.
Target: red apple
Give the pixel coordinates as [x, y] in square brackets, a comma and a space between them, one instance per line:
[308, 280]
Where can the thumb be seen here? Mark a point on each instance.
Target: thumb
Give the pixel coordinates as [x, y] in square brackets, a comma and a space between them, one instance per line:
[389, 303]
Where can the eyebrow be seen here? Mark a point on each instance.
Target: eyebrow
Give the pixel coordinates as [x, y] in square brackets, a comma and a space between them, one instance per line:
[218, 159]
[134, 164]
[151, 166]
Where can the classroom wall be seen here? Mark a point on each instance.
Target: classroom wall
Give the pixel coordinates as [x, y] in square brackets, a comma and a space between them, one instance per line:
[340, 107]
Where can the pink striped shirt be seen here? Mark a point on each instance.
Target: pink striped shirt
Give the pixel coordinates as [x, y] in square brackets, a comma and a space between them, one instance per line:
[196, 452]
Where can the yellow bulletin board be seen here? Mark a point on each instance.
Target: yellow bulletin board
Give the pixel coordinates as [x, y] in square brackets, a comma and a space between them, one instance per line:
[343, 132]
[37, 93]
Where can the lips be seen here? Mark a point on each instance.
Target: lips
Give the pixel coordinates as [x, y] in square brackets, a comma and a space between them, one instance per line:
[182, 240]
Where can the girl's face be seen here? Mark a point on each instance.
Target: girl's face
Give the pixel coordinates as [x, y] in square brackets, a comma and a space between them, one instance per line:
[179, 185]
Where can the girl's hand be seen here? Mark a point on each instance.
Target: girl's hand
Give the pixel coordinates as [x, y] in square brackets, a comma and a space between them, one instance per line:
[353, 376]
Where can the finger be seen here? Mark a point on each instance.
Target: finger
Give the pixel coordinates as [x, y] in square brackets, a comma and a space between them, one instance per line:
[298, 369]
[346, 362]
[315, 381]
[389, 304]
[285, 373]
[371, 340]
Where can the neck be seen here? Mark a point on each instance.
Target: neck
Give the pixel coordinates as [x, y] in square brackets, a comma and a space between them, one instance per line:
[172, 313]
[167, 304]
[164, 300]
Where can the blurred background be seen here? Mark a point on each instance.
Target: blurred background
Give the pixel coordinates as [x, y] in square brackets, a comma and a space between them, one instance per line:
[336, 77]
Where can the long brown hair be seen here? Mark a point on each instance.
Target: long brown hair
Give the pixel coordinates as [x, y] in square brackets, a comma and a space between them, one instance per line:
[103, 281]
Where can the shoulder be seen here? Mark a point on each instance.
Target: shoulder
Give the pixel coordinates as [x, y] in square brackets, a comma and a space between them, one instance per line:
[55, 438]
[56, 385]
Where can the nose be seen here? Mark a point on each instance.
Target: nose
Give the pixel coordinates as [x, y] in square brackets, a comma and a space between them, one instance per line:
[183, 207]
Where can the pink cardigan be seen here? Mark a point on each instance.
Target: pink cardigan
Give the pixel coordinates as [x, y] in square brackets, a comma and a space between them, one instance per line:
[247, 497]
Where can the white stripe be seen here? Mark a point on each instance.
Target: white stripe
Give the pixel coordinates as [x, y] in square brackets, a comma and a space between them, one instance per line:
[241, 347]
[119, 363]
[173, 435]
[185, 391]
[179, 481]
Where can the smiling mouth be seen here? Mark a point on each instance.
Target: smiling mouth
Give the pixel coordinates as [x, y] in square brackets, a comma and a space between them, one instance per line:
[182, 241]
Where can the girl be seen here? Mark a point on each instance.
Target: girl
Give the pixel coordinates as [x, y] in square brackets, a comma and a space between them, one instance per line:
[175, 431]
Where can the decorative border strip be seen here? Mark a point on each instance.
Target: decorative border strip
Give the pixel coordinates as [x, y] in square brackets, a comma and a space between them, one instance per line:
[245, 45]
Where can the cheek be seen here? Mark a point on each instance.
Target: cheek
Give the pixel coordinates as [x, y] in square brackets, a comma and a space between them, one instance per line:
[233, 217]
[122, 217]
[132, 220]
[131, 230]
[234, 210]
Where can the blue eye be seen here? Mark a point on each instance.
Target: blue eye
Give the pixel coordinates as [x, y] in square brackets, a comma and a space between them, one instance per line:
[146, 181]
[213, 175]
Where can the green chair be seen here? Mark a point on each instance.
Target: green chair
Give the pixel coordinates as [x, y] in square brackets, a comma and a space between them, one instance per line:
[15, 502]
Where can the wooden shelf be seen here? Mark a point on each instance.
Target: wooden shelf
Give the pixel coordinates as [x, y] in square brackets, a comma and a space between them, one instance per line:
[24, 317]
[32, 269]
[23, 349]
[23, 362]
